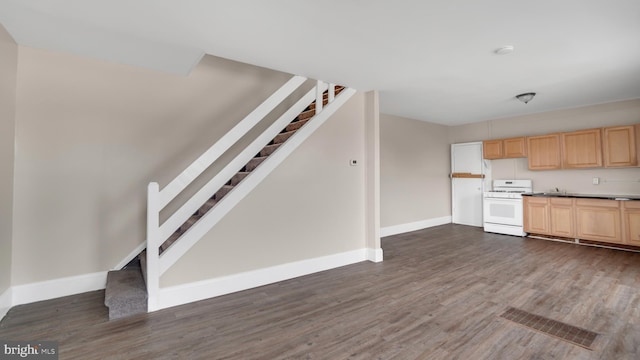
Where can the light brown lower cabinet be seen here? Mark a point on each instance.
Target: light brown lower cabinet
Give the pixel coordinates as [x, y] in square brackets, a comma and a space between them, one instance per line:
[536, 215]
[631, 220]
[611, 221]
[599, 220]
[561, 217]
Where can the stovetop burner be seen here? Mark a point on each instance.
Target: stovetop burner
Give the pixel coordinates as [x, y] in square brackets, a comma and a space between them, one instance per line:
[509, 188]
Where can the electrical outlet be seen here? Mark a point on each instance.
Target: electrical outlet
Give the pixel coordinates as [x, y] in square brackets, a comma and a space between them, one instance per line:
[596, 181]
[353, 162]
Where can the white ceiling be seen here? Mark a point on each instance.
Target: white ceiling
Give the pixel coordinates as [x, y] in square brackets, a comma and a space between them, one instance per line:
[431, 60]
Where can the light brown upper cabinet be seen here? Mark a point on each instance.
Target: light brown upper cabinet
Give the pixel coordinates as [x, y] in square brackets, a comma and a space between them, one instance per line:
[582, 149]
[620, 145]
[492, 149]
[544, 152]
[615, 146]
[515, 147]
[504, 148]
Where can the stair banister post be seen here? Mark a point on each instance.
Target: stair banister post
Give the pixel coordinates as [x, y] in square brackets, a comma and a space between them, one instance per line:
[332, 92]
[319, 99]
[153, 254]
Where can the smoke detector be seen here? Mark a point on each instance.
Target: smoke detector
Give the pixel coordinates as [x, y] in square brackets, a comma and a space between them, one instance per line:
[508, 49]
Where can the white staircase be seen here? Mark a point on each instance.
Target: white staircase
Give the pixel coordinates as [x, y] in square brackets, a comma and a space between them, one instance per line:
[168, 241]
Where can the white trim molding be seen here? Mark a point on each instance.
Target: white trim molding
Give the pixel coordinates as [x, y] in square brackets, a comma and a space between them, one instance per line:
[200, 290]
[51, 289]
[5, 303]
[374, 255]
[417, 225]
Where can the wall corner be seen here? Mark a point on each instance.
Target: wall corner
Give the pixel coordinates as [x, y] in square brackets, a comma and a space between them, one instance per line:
[372, 175]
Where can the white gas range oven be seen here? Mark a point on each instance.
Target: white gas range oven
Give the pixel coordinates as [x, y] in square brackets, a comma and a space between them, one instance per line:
[502, 207]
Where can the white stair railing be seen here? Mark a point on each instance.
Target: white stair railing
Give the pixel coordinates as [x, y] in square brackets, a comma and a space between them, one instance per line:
[196, 168]
[158, 198]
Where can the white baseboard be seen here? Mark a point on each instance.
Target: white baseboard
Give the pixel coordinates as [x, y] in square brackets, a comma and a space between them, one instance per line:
[51, 289]
[374, 255]
[5, 303]
[187, 293]
[417, 225]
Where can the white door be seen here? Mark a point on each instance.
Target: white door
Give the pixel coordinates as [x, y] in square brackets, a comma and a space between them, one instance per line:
[467, 183]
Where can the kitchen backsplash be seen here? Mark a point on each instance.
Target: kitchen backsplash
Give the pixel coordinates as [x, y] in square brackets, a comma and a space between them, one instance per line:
[624, 181]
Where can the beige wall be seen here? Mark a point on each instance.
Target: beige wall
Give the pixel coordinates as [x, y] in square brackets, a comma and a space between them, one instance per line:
[614, 181]
[312, 205]
[414, 168]
[8, 73]
[90, 135]
[415, 159]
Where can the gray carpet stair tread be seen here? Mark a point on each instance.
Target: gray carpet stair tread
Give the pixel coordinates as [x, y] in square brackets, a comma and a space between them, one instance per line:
[126, 293]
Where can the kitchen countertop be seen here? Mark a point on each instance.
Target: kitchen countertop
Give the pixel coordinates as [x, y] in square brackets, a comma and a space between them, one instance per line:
[583, 196]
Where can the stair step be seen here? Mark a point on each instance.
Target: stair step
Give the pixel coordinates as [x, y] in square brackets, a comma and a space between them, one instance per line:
[282, 137]
[125, 294]
[207, 206]
[295, 125]
[189, 223]
[325, 97]
[253, 163]
[325, 101]
[235, 180]
[306, 115]
[268, 150]
[173, 238]
[224, 190]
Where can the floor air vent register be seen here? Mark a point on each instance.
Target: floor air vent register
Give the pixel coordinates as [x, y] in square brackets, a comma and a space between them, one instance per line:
[557, 329]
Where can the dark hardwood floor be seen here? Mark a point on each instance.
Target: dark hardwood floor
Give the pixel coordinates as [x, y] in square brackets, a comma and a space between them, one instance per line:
[439, 294]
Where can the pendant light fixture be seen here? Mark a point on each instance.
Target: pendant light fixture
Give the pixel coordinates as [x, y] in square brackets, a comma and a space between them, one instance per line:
[526, 97]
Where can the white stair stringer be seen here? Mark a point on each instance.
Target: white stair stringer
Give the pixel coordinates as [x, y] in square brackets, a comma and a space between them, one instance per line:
[157, 199]
[235, 165]
[171, 255]
[209, 220]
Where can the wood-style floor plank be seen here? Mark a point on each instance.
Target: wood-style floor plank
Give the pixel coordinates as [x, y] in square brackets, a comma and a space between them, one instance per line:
[439, 294]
